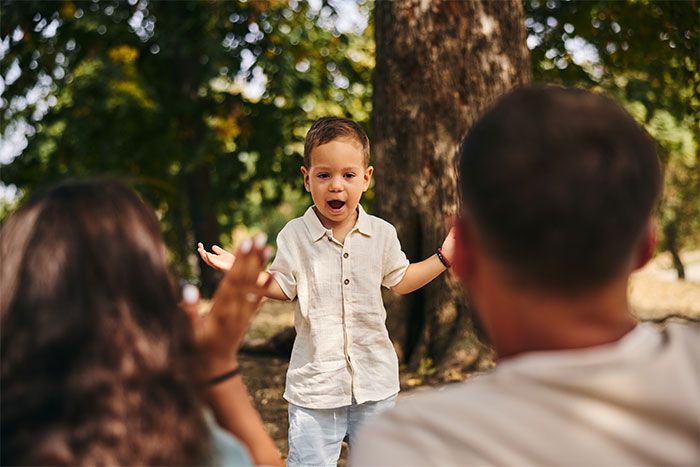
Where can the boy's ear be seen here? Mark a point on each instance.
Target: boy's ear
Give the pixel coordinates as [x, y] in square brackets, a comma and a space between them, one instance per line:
[646, 245]
[305, 172]
[368, 176]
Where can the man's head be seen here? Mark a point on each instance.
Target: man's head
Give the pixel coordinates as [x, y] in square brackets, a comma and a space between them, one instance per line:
[559, 185]
[336, 168]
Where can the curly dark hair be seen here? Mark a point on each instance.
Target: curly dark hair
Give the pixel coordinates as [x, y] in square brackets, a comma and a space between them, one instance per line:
[98, 361]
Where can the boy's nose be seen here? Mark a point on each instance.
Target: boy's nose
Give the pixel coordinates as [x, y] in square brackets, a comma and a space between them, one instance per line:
[336, 184]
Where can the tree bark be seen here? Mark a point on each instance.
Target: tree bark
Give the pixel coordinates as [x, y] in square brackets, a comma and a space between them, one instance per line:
[205, 226]
[188, 115]
[439, 64]
[671, 237]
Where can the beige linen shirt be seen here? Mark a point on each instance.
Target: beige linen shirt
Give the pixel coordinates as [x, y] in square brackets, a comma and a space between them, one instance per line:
[632, 402]
[342, 346]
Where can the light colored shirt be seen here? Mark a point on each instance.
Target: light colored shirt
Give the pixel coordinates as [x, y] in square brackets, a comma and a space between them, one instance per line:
[226, 449]
[342, 346]
[632, 402]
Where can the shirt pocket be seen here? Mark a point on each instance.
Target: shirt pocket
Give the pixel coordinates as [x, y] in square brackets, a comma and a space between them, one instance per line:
[323, 283]
[314, 378]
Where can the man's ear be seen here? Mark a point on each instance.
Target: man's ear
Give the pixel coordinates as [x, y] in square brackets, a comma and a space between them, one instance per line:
[646, 245]
[368, 176]
[305, 172]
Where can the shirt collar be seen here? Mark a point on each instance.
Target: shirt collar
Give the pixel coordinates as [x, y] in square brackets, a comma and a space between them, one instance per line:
[318, 231]
[313, 223]
[363, 225]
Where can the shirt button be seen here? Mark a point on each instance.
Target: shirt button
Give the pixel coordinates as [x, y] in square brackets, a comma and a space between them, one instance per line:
[345, 255]
[330, 239]
[347, 281]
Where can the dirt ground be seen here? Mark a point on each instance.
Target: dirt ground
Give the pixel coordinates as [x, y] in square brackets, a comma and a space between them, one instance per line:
[655, 294]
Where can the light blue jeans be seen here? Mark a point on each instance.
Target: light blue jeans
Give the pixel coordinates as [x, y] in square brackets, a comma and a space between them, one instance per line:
[316, 435]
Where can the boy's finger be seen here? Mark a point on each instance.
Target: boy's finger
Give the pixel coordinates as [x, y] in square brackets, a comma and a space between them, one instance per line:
[217, 249]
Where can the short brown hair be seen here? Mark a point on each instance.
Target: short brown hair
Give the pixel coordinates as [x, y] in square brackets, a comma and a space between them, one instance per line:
[326, 129]
[561, 183]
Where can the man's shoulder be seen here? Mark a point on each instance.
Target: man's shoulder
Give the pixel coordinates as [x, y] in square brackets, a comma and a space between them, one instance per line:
[683, 340]
[683, 330]
[424, 429]
[437, 408]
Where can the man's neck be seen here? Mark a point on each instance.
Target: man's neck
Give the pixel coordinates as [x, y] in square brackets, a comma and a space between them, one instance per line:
[529, 321]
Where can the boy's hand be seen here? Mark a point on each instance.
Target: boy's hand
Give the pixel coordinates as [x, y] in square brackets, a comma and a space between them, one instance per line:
[220, 259]
[448, 246]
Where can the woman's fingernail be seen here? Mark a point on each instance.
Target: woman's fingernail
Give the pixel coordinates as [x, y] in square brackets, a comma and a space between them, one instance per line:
[246, 245]
[190, 294]
[260, 240]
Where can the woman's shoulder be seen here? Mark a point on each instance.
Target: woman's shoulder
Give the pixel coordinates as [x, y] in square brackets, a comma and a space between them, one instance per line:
[226, 449]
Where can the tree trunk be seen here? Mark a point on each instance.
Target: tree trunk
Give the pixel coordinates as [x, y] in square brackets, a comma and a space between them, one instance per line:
[671, 237]
[439, 65]
[195, 175]
[205, 226]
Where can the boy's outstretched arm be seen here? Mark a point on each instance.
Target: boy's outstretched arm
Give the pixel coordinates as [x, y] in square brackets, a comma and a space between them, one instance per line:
[272, 289]
[419, 274]
[222, 260]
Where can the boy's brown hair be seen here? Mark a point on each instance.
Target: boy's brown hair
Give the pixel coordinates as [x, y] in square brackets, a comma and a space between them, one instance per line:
[561, 183]
[326, 129]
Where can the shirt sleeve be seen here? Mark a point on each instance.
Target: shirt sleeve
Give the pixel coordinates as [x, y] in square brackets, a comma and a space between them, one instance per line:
[394, 261]
[284, 266]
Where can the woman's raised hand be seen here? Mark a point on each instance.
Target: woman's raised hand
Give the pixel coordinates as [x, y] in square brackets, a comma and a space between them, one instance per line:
[220, 332]
[219, 335]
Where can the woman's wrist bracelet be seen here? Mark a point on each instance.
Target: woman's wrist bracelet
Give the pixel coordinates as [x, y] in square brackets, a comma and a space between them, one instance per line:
[442, 259]
[224, 376]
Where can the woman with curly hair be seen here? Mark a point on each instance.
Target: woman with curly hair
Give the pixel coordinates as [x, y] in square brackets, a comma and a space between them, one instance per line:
[100, 365]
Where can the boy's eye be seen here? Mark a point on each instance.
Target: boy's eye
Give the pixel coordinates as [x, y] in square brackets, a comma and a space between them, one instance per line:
[349, 175]
[322, 175]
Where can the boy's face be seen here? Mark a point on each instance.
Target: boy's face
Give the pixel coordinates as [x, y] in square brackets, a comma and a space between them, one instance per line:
[336, 180]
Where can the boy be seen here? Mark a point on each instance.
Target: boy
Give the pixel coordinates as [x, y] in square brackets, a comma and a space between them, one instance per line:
[557, 188]
[335, 259]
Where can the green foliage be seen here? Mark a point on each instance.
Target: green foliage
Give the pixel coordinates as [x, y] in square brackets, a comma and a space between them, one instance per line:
[645, 54]
[158, 94]
[155, 93]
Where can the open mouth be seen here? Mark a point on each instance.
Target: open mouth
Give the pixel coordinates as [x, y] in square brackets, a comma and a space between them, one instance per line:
[336, 204]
